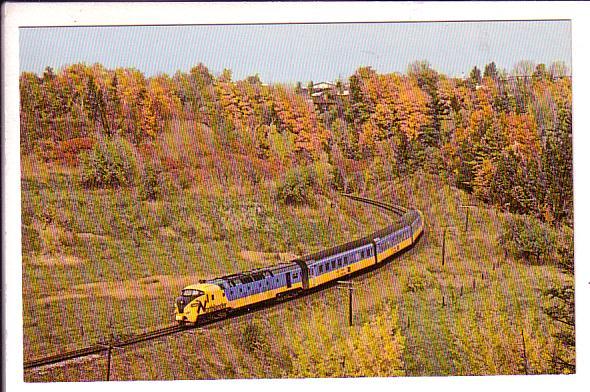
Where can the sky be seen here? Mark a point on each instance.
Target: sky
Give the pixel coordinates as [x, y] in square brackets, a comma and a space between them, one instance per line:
[299, 52]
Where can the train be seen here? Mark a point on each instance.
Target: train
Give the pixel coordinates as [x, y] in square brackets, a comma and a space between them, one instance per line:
[220, 296]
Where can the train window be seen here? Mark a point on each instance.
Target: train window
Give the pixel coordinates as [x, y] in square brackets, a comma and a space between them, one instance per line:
[321, 269]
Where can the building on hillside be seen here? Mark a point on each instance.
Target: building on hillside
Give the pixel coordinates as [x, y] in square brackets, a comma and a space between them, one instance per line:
[324, 94]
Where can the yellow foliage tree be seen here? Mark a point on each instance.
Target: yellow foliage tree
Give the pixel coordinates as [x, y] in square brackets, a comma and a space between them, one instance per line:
[374, 349]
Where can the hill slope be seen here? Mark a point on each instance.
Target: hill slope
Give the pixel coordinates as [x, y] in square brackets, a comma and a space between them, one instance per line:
[477, 314]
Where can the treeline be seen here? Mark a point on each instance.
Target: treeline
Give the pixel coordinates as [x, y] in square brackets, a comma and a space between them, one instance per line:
[506, 139]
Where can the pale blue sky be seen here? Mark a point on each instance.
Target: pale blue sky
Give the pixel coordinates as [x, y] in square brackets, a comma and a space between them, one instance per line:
[288, 53]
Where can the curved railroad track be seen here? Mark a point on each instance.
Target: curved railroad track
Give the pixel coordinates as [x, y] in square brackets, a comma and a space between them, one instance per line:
[172, 329]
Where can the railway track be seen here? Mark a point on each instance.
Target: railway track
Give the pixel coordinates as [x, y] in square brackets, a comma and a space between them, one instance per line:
[398, 210]
[172, 329]
[101, 347]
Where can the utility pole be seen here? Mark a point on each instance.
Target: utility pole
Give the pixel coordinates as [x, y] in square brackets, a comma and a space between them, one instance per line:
[110, 352]
[467, 215]
[524, 357]
[443, 245]
[348, 285]
[109, 346]
[444, 241]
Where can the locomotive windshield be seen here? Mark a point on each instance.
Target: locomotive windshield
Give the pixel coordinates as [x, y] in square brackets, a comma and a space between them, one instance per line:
[192, 293]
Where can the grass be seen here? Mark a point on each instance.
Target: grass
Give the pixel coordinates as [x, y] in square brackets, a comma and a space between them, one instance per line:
[100, 261]
[75, 238]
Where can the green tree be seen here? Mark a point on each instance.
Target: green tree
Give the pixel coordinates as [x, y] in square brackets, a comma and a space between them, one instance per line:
[427, 79]
[475, 76]
[562, 311]
[540, 72]
[557, 166]
[558, 69]
[490, 71]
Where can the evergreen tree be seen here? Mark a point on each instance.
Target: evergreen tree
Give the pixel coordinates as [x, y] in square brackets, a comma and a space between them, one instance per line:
[475, 76]
[490, 71]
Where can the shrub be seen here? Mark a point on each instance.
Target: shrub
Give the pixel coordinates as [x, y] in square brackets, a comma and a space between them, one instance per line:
[149, 185]
[67, 151]
[253, 337]
[31, 240]
[186, 178]
[46, 150]
[110, 164]
[527, 239]
[337, 179]
[297, 185]
[374, 349]
[76, 145]
[325, 173]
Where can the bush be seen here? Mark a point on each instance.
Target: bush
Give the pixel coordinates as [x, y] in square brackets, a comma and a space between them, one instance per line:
[297, 185]
[46, 150]
[76, 145]
[374, 349]
[337, 179]
[254, 338]
[110, 164]
[31, 240]
[149, 185]
[527, 239]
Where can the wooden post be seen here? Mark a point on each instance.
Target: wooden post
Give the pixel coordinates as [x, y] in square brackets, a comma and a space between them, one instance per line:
[350, 305]
[443, 246]
[526, 367]
[110, 345]
[110, 350]
[349, 286]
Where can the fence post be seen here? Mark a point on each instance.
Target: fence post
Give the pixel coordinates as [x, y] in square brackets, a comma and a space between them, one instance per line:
[443, 246]
[526, 370]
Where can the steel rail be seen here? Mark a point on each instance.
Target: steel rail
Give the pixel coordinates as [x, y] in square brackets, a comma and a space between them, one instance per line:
[98, 348]
[398, 210]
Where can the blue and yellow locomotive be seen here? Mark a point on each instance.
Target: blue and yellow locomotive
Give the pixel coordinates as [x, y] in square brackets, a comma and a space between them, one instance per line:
[222, 295]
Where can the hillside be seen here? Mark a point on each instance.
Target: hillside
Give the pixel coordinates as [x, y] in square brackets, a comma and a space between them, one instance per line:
[102, 260]
[491, 304]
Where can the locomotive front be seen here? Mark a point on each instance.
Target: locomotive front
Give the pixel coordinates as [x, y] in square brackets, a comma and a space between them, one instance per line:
[199, 299]
[187, 304]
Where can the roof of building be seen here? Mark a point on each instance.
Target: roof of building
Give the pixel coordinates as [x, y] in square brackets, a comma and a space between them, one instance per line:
[323, 85]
